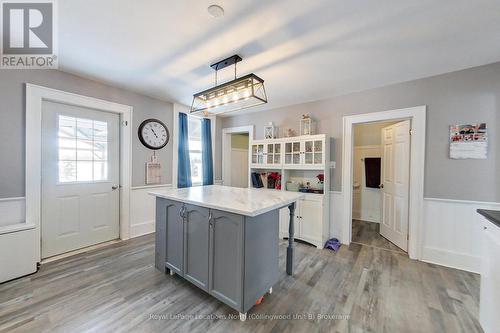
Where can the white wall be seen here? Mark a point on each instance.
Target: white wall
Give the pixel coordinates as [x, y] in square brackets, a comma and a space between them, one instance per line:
[366, 204]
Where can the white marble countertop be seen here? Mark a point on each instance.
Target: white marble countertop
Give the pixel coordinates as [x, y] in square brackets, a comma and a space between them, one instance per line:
[243, 201]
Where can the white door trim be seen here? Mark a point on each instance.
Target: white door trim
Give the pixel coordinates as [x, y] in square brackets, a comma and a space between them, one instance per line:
[226, 151]
[417, 163]
[34, 96]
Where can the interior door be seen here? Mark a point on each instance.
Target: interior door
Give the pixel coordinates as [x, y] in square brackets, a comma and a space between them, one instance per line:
[80, 177]
[395, 183]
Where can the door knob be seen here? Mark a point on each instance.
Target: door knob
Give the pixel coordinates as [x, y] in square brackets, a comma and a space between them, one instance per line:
[114, 187]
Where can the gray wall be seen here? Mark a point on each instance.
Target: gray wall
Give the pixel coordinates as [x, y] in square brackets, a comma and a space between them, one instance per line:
[468, 96]
[12, 122]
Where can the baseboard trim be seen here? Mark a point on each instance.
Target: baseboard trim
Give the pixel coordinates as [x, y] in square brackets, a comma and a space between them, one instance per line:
[142, 229]
[78, 251]
[451, 259]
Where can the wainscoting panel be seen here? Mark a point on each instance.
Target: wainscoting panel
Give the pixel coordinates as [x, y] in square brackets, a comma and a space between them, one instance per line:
[142, 210]
[336, 214]
[451, 232]
[17, 240]
[12, 211]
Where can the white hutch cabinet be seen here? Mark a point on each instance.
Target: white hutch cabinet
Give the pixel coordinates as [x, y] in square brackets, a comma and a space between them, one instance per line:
[302, 156]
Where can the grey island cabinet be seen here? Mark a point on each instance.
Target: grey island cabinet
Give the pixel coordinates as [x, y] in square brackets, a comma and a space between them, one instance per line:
[223, 239]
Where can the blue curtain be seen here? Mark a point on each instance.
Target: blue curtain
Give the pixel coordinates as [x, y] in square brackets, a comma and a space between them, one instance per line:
[183, 165]
[206, 152]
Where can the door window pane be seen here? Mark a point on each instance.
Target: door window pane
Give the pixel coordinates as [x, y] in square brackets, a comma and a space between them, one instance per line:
[84, 172]
[100, 170]
[82, 150]
[67, 171]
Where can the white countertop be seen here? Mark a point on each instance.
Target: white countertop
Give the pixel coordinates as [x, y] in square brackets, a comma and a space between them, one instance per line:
[243, 201]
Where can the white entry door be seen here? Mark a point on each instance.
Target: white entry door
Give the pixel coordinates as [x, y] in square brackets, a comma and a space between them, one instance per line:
[80, 177]
[395, 183]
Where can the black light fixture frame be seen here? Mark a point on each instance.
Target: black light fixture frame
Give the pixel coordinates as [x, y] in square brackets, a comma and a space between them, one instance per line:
[232, 60]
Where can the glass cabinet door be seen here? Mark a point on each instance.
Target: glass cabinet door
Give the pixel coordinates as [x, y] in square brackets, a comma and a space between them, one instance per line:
[270, 153]
[308, 152]
[254, 154]
[277, 153]
[258, 154]
[318, 152]
[288, 153]
[296, 153]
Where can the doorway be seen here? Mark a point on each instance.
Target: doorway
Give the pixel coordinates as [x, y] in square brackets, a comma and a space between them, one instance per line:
[80, 200]
[380, 204]
[36, 98]
[235, 156]
[417, 116]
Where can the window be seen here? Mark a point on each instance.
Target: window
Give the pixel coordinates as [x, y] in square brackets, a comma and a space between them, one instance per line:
[82, 150]
[194, 136]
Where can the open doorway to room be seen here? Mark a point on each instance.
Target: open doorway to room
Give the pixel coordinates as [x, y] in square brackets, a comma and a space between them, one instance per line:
[413, 204]
[235, 154]
[379, 201]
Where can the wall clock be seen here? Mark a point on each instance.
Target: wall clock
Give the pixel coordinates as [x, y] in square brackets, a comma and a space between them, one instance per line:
[153, 134]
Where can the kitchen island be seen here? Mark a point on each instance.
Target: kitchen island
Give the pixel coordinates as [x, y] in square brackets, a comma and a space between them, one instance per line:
[223, 239]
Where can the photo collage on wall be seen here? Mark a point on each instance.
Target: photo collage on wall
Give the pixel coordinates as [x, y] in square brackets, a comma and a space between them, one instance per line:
[469, 141]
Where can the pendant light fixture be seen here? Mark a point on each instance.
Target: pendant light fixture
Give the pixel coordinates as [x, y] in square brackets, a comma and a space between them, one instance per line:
[240, 93]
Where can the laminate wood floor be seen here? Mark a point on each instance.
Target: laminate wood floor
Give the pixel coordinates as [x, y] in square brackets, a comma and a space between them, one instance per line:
[368, 233]
[117, 289]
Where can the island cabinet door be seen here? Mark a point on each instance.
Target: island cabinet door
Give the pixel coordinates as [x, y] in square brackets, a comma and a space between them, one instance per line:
[196, 245]
[175, 236]
[226, 258]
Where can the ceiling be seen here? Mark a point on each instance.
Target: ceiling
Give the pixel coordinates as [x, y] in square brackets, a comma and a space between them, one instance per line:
[304, 50]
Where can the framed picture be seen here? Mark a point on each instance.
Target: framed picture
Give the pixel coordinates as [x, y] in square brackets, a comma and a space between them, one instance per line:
[469, 141]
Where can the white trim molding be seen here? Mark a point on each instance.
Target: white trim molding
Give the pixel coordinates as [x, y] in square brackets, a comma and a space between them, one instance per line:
[35, 95]
[417, 164]
[452, 232]
[142, 209]
[226, 151]
[12, 211]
